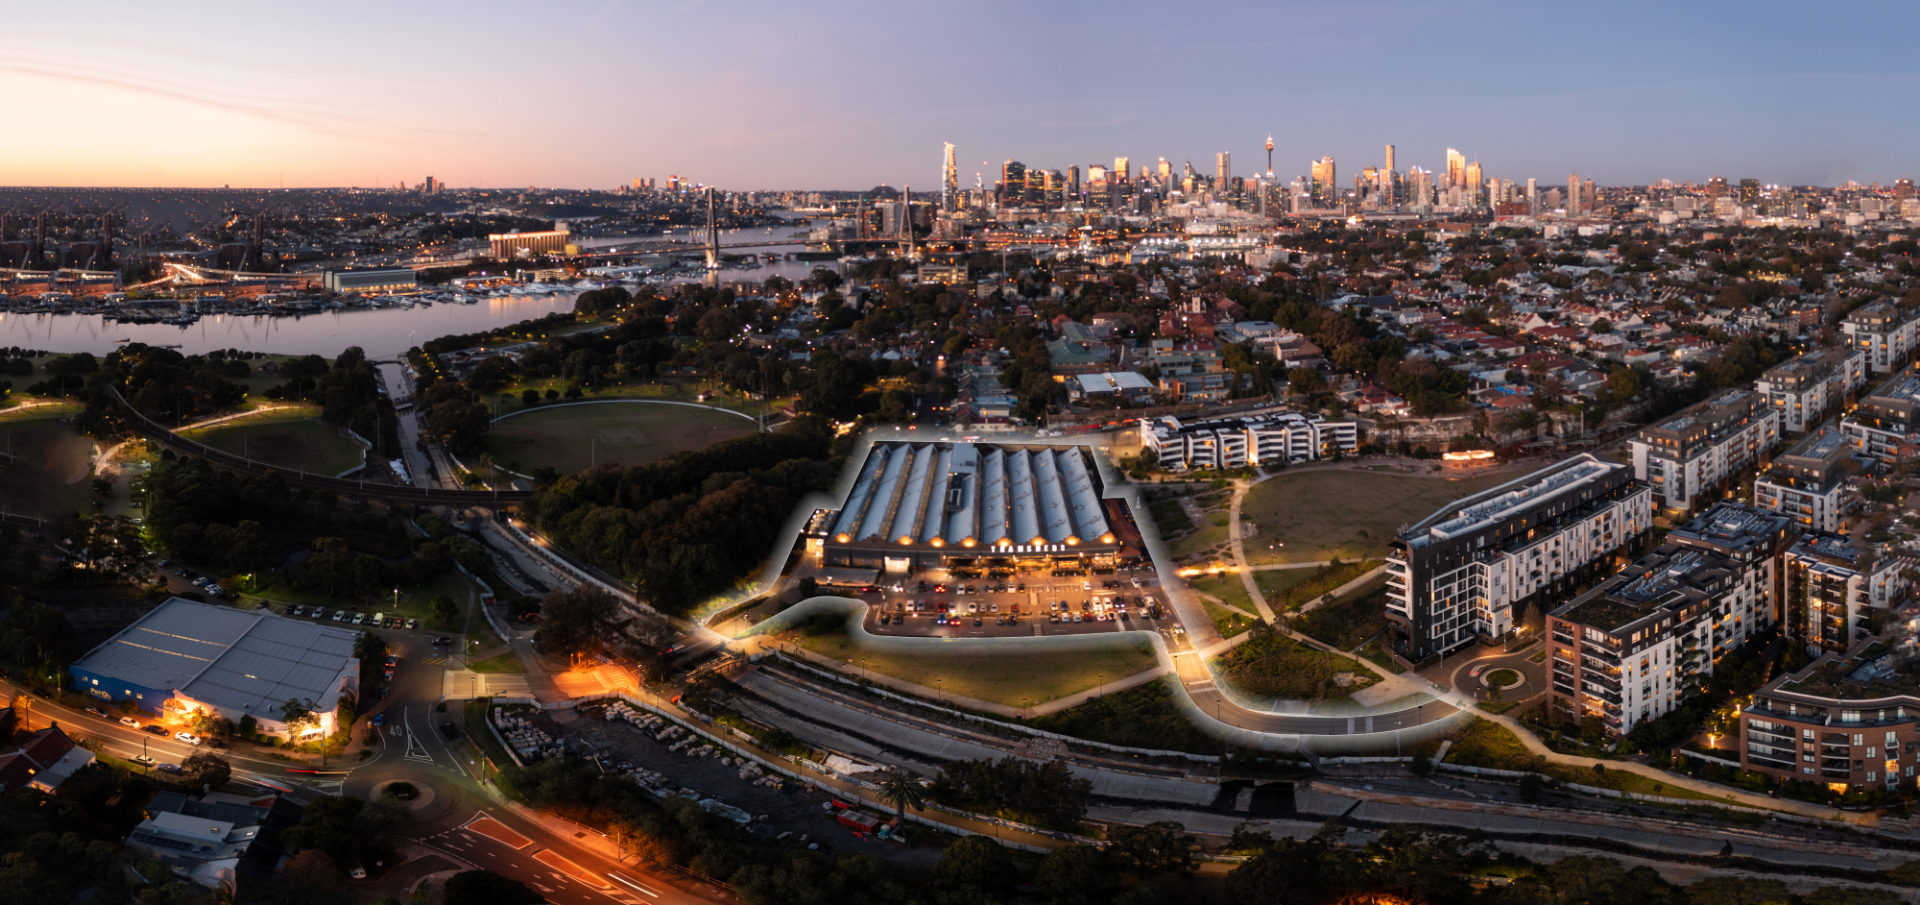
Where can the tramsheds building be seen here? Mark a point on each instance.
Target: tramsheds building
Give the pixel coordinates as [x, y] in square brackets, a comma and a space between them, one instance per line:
[928, 505]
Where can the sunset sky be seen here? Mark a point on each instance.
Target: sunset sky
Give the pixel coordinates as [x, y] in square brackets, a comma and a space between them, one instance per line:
[824, 95]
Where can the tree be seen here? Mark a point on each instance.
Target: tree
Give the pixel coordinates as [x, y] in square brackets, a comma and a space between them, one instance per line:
[298, 714]
[576, 621]
[484, 887]
[1076, 875]
[1850, 895]
[530, 398]
[1146, 852]
[311, 869]
[206, 768]
[1602, 326]
[1531, 785]
[902, 790]
[444, 609]
[1737, 891]
[974, 863]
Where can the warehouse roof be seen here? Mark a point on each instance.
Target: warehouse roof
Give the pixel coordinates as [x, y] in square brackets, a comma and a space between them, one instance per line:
[246, 661]
[968, 494]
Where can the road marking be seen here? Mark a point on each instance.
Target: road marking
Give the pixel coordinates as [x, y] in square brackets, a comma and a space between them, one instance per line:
[570, 869]
[497, 831]
[637, 886]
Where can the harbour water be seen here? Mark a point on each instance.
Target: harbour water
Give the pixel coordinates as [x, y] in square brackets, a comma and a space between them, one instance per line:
[382, 332]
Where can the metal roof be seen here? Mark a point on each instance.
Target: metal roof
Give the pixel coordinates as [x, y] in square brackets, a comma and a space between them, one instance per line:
[957, 493]
[244, 661]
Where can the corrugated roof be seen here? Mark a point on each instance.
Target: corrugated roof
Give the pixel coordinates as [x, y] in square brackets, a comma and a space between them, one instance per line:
[958, 493]
[249, 661]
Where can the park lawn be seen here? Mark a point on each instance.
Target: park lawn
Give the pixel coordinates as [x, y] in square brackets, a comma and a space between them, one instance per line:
[1273, 582]
[1346, 623]
[1272, 665]
[1349, 514]
[569, 439]
[508, 662]
[1225, 621]
[1227, 586]
[1376, 654]
[284, 438]
[1145, 716]
[1208, 536]
[1014, 680]
[52, 475]
[416, 601]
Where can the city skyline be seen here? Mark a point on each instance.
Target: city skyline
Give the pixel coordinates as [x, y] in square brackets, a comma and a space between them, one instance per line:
[746, 95]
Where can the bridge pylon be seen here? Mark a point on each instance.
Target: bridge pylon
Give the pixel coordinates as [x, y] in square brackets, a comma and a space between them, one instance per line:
[713, 234]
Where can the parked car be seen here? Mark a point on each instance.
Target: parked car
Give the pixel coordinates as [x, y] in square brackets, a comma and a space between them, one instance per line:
[413, 624]
[129, 721]
[156, 730]
[142, 760]
[167, 768]
[443, 640]
[187, 737]
[96, 711]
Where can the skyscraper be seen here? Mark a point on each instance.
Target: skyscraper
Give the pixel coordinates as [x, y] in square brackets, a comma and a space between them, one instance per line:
[1750, 193]
[1166, 175]
[1456, 168]
[1533, 196]
[1223, 172]
[1120, 171]
[1325, 181]
[949, 182]
[1269, 153]
[1390, 158]
[1575, 203]
[1013, 183]
[1073, 182]
[1717, 187]
[1903, 190]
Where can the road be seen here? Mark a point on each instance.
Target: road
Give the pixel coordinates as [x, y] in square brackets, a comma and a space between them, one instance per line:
[413, 749]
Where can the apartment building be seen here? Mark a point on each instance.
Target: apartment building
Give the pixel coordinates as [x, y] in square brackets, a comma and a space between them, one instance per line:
[1808, 484]
[1845, 722]
[1883, 332]
[1687, 455]
[1473, 569]
[1833, 589]
[1885, 424]
[1808, 388]
[1254, 440]
[1641, 641]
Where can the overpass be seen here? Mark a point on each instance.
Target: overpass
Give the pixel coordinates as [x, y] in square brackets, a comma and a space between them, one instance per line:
[393, 493]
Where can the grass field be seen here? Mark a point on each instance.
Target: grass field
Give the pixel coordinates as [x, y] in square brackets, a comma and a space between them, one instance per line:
[1350, 514]
[569, 439]
[508, 662]
[1014, 680]
[1273, 581]
[1347, 622]
[284, 438]
[54, 464]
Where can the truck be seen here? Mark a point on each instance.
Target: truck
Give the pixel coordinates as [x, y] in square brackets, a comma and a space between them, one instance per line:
[859, 820]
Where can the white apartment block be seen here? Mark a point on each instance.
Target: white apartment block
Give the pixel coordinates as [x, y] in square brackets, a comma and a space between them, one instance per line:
[1240, 442]
[1461, 573]
[1886, 424]
[1688, 454]
[1803, 391]
[1884, 332]
[1808, 484]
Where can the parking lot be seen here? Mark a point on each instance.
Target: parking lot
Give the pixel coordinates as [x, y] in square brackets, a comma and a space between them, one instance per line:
[939, 605]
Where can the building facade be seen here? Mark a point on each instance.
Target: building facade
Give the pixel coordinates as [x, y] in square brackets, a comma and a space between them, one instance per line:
[1469, 571]
[1885, 423]
[1803, 391]
[1833, 590]
[1239, 442]
[1639, 643]
[1884, 333]
[1860, 733]
[507, 246]
[1685, 456]
[1808, 484]
[393, 279]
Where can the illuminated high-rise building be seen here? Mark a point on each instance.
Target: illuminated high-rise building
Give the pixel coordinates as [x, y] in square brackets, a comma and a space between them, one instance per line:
[1456, 168]
[1013, 183]
[1166, 174]
[1472, 183]
[1390, 158]
[1750, 193]
[1120, 171]
[949, 182]
[1325, 181]
[1717, 187]
[1222, 172]
[1073, 182]
[1533, 196]
[1903, 190]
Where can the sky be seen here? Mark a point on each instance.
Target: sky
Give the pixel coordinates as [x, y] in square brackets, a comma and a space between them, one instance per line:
[752, 95]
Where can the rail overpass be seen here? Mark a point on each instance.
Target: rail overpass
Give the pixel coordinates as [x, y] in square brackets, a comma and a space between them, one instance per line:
[393, 493]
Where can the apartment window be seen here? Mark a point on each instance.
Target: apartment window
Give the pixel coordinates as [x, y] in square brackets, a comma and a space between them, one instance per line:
[1858, 739]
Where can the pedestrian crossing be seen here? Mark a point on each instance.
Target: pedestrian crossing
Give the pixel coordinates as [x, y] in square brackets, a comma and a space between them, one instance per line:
[434, 661]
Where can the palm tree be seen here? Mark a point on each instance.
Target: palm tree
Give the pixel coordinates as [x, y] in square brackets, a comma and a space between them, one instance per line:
[901, 789]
